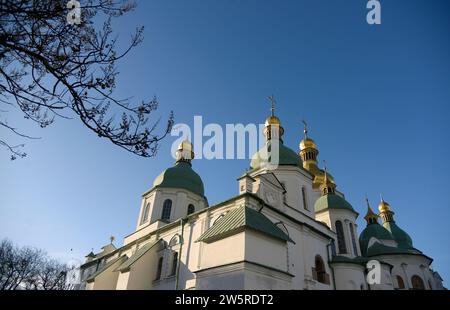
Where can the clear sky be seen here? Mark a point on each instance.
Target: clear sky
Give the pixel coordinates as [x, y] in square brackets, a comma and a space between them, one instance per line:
[376, 99]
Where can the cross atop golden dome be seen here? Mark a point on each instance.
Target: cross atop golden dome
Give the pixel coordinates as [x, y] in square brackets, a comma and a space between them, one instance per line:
[273, 124]
[272, 119]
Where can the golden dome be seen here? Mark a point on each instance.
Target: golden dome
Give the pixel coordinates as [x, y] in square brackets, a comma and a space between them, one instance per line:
[383, 206]
[272, 120]
[185, 145]
[307, 143]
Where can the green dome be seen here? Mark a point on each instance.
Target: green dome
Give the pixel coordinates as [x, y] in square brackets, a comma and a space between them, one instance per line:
[287, 156]
[181, 176]
[400, 236]
[381, 249]
[332, 201]
[373, 230]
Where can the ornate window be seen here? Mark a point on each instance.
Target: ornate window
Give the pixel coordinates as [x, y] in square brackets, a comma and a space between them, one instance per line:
[352, 232]
[340, 238]
[159, 268]
[190, 209]
[305, 205]
[400, 282]
[145, 213]
[417, 283]
[167, 208]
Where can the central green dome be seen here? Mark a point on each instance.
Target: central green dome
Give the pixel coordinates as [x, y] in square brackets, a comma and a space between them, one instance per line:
[181, 176]
[287, 156]
[332, 201]
[374, 230]
[403, 239]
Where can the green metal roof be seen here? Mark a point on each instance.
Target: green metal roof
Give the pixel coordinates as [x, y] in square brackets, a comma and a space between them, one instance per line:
[359, 260]
[240, 218]
[139, 253]
[380, 249]
[373, 230]
[286, 156]
[403, 239]
[105, 267]
[181, 175]
[332, 201]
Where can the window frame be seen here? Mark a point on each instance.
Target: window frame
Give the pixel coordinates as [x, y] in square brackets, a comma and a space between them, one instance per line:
[166, 210]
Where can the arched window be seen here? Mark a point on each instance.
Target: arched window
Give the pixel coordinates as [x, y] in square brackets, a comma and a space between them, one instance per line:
[305, 205]
[167, 208]
[341, 238]
[174, 263]
[319, 272]
[190, 209]
[417, 283]
[401, 284]
[159, 268]
[145, 213]
[352, 232]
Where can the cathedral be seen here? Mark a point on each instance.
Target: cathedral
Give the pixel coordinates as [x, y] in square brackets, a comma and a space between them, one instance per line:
[287, 228]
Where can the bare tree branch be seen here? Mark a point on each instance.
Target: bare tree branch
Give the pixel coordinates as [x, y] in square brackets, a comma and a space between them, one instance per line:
[48, 66]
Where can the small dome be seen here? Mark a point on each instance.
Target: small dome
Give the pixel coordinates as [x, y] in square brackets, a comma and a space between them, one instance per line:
[181, 176]
[332, 201]
[307, 143]
[373, 231]
[287, 156]
[272, 120]
[186, 145]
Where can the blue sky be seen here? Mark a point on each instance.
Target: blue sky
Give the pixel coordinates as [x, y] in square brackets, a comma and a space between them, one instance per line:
[376, 99]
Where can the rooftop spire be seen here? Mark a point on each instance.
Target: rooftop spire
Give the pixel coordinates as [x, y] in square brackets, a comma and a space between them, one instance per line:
[371, 217]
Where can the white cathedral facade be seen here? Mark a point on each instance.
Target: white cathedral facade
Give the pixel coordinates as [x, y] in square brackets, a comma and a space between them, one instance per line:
[287, 228]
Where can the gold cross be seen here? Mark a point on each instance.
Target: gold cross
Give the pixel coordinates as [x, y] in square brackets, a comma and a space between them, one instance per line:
[272, 101]
[305, 129]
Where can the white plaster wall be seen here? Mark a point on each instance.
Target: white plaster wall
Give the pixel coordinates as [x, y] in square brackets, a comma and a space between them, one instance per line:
[349, 277]
[224, 251]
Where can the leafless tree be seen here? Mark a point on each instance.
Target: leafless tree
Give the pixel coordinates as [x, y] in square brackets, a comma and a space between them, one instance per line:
[30, 268]
[51, 69]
